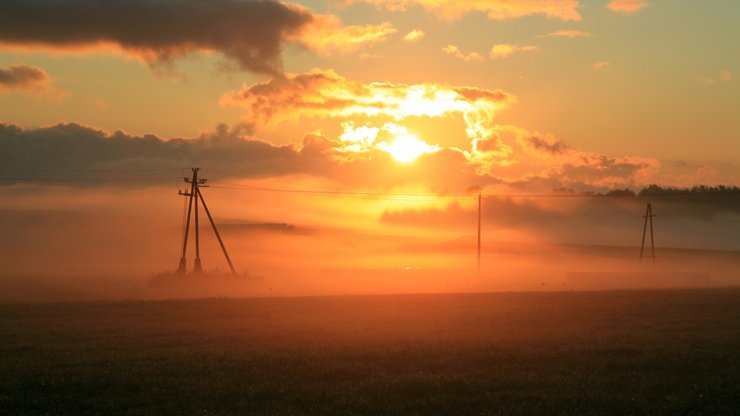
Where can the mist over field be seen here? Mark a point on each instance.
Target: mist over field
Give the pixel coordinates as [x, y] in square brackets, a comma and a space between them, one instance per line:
[108, 244]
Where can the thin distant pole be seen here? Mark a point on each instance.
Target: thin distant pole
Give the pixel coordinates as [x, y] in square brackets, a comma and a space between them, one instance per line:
[652, 235]
[479, 221]
[648, 218]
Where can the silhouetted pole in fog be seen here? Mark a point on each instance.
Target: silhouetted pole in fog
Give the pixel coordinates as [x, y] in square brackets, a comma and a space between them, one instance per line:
[648, 218]
[196, 267]
[195, 195]
[479, 218]
[182, 268]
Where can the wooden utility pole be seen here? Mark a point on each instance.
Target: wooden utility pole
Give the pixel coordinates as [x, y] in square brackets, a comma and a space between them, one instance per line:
[479, 220]
[182, 267]
[196, 267]
[194, 195]
[648, 218]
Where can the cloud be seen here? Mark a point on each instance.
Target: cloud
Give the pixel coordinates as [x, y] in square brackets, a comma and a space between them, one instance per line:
[600, 65]
[701, 175]
[507, 153]
[30, 80]
[566, 34]
[80, 156]
[372, 118]
[414, 36]
[358, 139]
[495, 9]
[626, 6]
[537, 155]
[326, 94]
[24, 78]
[489, 152]
[725, 75]
[328, 34]
[504, 50]
[608, 172]
[391, 138]
[508, 157]
[463, 56]
[498, 51]
[547, 144]
[37, 154]
[249, 33]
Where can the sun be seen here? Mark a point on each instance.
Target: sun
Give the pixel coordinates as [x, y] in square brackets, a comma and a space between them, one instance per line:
[407, 148]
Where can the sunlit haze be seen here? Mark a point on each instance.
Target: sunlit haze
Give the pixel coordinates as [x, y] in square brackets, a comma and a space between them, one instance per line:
[368, 146]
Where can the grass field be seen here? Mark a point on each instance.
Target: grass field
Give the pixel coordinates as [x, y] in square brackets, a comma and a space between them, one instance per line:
[618, 353]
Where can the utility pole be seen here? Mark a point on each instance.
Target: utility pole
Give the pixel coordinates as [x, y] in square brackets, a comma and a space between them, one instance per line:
[182, 267]
[479, 218]
[648, 218]
[194, 195]
[196, 267]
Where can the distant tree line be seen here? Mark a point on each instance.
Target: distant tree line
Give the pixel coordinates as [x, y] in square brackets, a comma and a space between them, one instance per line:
[657, 190]
[698, 189]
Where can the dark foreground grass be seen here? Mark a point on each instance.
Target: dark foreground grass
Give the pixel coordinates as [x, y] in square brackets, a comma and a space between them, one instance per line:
[618, 353]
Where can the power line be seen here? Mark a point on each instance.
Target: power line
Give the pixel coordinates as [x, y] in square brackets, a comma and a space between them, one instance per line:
[455, 195]
[340, 193]
[317, 190]
[90, 170]
[337, 193]
[91, 180]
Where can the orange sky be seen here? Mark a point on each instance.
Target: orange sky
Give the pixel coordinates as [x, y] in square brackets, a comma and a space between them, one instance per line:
[643, 81]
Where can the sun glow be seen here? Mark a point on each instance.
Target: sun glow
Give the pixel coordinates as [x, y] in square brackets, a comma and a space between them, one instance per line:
[407, 148]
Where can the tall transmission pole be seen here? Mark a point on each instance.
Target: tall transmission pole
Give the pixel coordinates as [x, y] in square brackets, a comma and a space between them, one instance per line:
[648, 219]
[194, 195]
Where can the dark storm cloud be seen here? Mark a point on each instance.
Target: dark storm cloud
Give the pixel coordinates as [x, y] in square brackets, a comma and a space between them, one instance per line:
[44, 154]
[249, 32]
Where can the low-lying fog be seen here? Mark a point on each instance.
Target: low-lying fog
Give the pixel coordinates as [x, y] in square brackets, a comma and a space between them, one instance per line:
[105, 244]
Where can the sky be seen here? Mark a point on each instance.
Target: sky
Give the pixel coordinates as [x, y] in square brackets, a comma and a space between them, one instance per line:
[646, 85]
[408, 107]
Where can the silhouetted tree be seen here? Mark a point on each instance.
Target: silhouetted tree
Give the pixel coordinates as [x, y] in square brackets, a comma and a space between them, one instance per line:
[563, 191]
[621, 192]
[698, 189]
